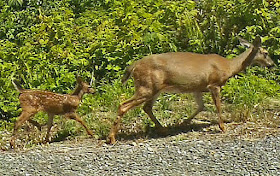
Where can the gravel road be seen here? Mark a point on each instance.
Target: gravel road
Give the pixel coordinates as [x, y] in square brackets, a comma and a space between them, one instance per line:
[174, 155]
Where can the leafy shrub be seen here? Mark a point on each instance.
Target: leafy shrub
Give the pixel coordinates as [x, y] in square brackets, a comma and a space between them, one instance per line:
[249, 90]
[45, 44]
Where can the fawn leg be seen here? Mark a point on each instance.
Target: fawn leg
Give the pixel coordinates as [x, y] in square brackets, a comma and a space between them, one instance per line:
[38, 125]
[49, 125]
[74, 116]
[24, 116]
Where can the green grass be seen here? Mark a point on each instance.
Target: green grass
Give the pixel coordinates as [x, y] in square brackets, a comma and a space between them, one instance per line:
[100, 110]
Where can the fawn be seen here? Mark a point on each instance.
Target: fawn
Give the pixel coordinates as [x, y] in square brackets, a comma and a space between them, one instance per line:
[34, 101]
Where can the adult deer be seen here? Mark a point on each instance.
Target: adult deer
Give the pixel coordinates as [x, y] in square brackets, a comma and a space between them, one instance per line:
[33, 101]
[185, 72]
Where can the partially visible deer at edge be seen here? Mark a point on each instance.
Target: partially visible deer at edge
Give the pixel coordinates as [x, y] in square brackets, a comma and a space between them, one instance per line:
[34, 101]
[184, 72]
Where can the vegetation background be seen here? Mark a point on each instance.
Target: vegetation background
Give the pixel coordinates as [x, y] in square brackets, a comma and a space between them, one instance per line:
[45, 44]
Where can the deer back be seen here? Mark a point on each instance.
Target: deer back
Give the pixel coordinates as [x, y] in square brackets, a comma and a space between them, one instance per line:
[48, 101]
[181, 72]
[191, 72]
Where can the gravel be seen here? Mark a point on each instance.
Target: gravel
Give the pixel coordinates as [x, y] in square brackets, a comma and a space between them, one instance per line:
[161, 156]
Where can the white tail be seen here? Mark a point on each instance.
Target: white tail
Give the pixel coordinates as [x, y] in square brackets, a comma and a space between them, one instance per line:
[185, 72]
[34, 101]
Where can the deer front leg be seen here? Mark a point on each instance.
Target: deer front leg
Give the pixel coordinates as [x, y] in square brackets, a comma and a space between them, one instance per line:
[215, 91]
[199, 100]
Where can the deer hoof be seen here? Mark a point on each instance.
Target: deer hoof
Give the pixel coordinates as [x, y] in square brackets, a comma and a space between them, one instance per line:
[90, 133]
[222, 127]
[111, 140]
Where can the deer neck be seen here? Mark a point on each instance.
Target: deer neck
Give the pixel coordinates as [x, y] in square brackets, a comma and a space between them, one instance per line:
[240, 63]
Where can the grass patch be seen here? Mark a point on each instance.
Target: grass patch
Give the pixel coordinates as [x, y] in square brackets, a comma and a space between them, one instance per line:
[99, 112]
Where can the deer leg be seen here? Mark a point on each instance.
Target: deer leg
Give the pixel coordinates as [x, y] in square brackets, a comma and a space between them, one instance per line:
[199, 100]
[49, 126]
[38, 125]
[24, 116]
[74, 116]
[123, 108]
[215, 91]
[148, 109]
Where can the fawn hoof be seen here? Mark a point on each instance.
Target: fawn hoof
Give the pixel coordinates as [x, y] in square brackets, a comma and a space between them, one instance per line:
[12, 145]
[46, 141]
[40, 128]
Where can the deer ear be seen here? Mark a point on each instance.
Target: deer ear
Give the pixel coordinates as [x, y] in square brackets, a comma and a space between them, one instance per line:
[79, 79]
[244, 42]
[257, 41]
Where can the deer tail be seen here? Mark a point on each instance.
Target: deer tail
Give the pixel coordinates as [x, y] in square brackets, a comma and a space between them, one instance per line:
[127, 73]
[17, 86]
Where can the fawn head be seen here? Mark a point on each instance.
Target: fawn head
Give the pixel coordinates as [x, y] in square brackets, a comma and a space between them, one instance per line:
[86, 88]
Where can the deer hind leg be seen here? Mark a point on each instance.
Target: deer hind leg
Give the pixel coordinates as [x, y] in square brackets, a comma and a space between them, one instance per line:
[74, 116]
[135, 101]
[148, 109]
[49, 126]
[24, 116]
[215, 91]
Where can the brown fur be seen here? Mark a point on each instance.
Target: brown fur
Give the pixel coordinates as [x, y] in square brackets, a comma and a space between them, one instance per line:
[184, 72]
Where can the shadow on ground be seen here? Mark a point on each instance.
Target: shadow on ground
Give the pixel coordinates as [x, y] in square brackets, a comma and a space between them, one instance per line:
[172, 130]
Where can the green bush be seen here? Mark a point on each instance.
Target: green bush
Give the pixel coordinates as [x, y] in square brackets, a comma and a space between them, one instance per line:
[45, 44]
[249, 90]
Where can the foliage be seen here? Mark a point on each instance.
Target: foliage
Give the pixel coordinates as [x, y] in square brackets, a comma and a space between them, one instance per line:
[45, 44]
[249, 90]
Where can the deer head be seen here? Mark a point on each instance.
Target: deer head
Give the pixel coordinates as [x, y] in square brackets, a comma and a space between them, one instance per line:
[262, 58]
